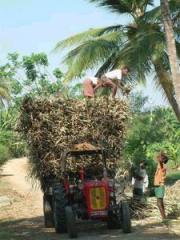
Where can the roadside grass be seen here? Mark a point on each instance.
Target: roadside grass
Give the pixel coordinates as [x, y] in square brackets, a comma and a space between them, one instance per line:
[173, 177]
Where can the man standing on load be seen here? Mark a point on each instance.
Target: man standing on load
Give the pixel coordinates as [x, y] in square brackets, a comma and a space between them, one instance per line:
[112, 79]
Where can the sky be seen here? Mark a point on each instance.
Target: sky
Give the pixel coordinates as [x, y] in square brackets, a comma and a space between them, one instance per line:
[28, 26]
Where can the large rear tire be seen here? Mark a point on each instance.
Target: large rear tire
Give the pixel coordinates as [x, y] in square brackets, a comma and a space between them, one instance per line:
[59, 205]
[71, 222]
[126, 217]
[48, 211]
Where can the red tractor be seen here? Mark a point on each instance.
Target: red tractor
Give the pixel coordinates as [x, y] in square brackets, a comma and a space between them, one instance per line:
[91, 193]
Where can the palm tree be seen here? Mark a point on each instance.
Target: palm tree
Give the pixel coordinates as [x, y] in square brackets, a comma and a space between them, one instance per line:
[140, 45]
[171, 46]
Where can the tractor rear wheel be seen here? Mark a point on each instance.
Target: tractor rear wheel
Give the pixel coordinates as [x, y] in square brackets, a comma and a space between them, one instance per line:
[126, 218]
[48, 212]
[59, 205]
[71, 222]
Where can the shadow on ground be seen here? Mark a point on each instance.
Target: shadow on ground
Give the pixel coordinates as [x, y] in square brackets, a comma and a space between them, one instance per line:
[33, 229]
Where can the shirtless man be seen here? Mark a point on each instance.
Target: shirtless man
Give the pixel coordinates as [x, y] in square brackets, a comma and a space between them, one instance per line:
[112, 79]
[159, 182]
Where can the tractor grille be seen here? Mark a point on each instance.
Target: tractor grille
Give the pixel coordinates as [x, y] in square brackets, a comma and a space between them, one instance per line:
[98, 198]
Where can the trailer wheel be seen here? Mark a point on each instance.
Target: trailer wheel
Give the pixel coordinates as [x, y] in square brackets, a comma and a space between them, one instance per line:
[48, 212]
[126, 218]
[71, 222]
[59, 205]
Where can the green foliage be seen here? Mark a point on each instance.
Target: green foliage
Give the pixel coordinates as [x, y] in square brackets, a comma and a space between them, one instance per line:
[57, 73]
[171, 149]
[4, 154]
[137, 102]
[4, 85]
[32, 65]
[151, 132]
[173, 177]
[134, 8]
[14, 145]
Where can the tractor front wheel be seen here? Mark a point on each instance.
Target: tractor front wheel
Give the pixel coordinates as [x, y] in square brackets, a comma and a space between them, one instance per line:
[59, 205]
[113, 221]
[126, 218]
[48, 212]
[71, 222]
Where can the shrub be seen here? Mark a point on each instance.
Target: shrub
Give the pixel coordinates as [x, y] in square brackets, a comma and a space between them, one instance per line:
[14, 143]
[18, 149]
[4, 154]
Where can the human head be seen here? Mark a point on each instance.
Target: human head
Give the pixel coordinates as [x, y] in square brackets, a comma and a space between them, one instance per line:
[143, 164]
[162, 158]
[125, 70]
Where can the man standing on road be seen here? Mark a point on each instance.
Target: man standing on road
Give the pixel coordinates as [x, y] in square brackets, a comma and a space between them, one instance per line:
[159, 181]
[112, 79]
[140, 181]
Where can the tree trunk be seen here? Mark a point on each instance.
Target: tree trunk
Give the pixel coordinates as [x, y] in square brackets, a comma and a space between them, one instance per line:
[167, 85]
[171, 47]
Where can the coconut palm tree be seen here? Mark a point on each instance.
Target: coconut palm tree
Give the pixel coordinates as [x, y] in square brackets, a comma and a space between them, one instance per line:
[171, 46]
[140, 45]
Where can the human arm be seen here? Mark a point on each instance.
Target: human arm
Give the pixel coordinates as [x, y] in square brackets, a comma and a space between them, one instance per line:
[98, 85]
[146, 183]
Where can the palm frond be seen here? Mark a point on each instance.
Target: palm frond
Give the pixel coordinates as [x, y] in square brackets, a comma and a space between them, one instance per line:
[125, 6]
[155, 16]
[115, 5]
[87, 35]
[139, 51]
[107, 65]
[91, 53]
[163, 81]
[152, 16]
[87, 56]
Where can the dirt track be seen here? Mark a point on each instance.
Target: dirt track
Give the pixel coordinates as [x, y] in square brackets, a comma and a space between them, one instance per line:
[23, 218]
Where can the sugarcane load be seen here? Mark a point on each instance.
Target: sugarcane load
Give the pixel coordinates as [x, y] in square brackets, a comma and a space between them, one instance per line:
[56, 125]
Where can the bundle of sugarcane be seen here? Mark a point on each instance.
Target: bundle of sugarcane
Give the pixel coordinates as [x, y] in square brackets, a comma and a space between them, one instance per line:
[140, 209]
[54, 126]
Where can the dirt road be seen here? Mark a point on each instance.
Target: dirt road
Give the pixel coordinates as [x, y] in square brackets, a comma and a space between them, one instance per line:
[23, 218]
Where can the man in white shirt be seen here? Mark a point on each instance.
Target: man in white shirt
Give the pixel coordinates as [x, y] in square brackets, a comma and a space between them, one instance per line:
[111, 79]
[140, 180]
